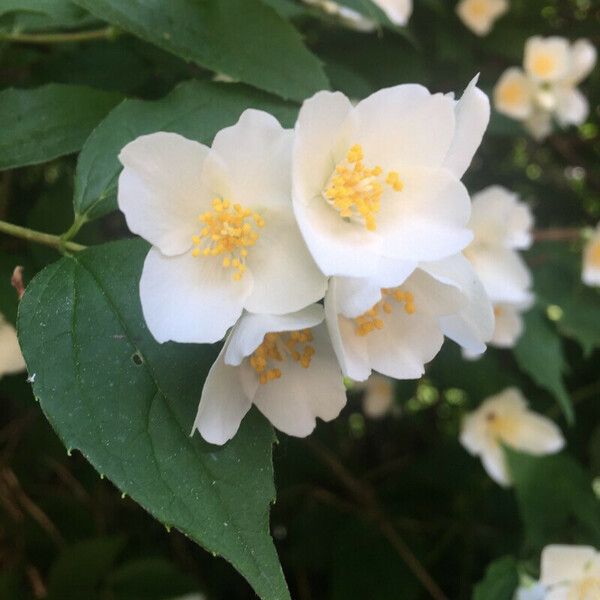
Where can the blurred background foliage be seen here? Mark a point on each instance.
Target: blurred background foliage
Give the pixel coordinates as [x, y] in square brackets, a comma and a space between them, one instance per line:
[361, 500]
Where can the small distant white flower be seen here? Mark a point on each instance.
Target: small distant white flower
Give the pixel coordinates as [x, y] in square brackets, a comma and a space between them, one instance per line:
[397, 329]
[480, 15]
[547, 87]
[591, 260]
[501, 225]
[397, 11]
[347, 16]
[11, 359]
[378, 395]
[504, 419]
[570, 572]
[370, 182]
[222, 228]
[284, 364]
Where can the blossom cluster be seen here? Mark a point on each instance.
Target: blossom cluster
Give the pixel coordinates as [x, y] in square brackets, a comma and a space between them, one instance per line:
[331, 249]
[546, 88]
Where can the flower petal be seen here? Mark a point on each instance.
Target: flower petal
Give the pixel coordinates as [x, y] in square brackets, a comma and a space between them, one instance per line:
[256, 154]
[472, 114]
[285, 275]
[509, 326]
[561, 563]
[251, 329]
[537, 435]
[293, 402]
[161, 191]
[187, 299]
[572, 107]
[11, 359]
[547, 59]
[223, 404]
[395, 126]
[427, 220]
[539, 125]
[494, 462]
[397, 11]
[513, 94]
[583, 60]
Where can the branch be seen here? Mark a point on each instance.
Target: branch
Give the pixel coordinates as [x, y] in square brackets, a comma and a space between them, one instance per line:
[54, 241]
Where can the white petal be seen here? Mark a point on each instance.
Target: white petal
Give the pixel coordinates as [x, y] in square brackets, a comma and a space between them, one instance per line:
[558, 593]
[494, 462]
[539, 125]
[285, 275]
[498, 218]
[223, 404]
[378, 397]
[293, 402]
[572, 107]
[479, 16]
[187, 299]
[473, 433]
[160, 189]
[473, 323]
[472, 117]
[354, 296]
[513, 94]
[256, 154]
[509, 326]
[504, 274]
[591, 261]
[350, 349]
[395, 125]
[561, 563]
[251, 329]
[427, 220]
[397, 11]
[537, 435]
[11, 359]
[583, 60]
[547, 59]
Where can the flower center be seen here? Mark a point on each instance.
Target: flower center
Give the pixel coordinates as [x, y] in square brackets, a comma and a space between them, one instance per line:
[355, 190]
[276, 347]
[543, 65]
[228, 230]
[512, 93]
[500, 427]
[498, 311]
[478, 8]
[588, 589]
[371, 320]
[594, 254]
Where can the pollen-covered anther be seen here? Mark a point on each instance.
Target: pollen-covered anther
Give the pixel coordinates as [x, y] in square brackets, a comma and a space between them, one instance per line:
[372, 319]
[229, 230]
[277, 347]
[355, 190]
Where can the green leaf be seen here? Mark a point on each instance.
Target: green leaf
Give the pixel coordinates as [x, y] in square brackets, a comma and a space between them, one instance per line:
[539, 353]
[194, 109]
[500, 581]
[36, 15]
[244, 39]
[41, 124]
[128, 404]
[555, 499]
[80, 568]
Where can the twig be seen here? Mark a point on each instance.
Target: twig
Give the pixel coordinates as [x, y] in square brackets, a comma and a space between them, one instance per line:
[106, 33]
[366, 496]
[54, 241]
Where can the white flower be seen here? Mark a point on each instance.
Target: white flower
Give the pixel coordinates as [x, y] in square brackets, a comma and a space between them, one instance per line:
[283, 364]
[347, 16]
[11, 359]
[535, 591]
[378, 395]
[591, 260]
[501, 225]
[509, 324]
[571, 572]
[222, 228]
[480, 15]
[397, 11]
[547, 88]
[504, 419]
[396, 329]
[371, 183]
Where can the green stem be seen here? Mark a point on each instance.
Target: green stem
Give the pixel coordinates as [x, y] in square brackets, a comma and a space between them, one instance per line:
[78, 223]
[105, 33]
[54, 241]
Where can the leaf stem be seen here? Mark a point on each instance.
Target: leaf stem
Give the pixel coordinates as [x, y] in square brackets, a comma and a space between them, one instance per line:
[106, 33]
[78, 223]
[54, 241]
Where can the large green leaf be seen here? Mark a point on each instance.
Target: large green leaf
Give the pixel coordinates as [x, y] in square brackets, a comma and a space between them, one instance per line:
[194, 109]
[555, 498]
[539, 353]
[128, 404]
[244, 39]
[41, 124]
[500, 581]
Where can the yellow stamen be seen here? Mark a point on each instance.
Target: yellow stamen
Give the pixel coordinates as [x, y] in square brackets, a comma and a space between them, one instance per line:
[587, 589]
[498, 311]
[371, 319]
[593, 254]
[512, 93]
[355, 191]
[227, 230]
[543, 65]
[276, 347]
